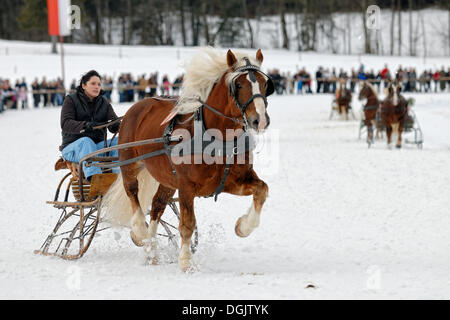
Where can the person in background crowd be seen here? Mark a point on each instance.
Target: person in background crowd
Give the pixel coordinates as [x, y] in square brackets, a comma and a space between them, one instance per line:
[428, 80]
[153, 84]
[422, 81]
[177, 84]
[361, 75]
[436, 78]
[44, 92]
[290, 83]
[413, 80]
[129, 85]
[333, 80]
[448, 78]
[443, 81]
[378, 79]
[386, 76]
[354, 77]
[8, 96]
[108, 88]
[319, 79]
[165, 87]
[142, 85]
[36, 87]
[326, 80]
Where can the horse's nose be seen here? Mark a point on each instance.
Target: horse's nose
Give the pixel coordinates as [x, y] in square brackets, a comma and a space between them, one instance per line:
[254, 122]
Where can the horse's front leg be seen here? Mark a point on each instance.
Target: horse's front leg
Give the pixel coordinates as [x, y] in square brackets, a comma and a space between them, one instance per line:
[251, 185]
[186, 227]
[388, 133]
[399, 135]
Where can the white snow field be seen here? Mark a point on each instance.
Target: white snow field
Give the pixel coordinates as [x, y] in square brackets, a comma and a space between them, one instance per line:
[353, 222]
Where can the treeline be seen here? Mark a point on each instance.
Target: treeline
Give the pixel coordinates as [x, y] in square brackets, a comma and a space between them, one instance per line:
[199, 22]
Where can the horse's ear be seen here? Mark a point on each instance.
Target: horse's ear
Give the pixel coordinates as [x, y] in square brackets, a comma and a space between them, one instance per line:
[231, 59]
[259, 56]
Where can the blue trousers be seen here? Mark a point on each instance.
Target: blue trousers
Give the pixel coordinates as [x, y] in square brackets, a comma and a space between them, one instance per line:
[83, 146]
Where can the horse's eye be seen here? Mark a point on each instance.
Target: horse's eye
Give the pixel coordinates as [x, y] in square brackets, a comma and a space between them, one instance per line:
[238, 86]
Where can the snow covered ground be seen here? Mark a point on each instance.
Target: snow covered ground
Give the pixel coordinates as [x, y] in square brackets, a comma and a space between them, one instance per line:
[354, 222]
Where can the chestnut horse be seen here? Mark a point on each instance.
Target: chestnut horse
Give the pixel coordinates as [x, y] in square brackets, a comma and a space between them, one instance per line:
[394, 112]
[343, 99]
[371, 108]
[226, 92]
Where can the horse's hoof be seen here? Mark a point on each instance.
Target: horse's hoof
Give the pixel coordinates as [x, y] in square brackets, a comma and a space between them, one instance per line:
[237, 229]
[398, 146]
[136, 241]
[185, 265]
[153, 261]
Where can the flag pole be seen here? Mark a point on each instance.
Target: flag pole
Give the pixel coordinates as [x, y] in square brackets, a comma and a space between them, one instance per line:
[61, 41]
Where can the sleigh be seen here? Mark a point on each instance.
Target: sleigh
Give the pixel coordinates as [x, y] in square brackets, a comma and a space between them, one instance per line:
[79, 204]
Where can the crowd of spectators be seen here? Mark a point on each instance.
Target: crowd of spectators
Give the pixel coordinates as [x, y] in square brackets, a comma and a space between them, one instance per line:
[47, 93]
[326, 80]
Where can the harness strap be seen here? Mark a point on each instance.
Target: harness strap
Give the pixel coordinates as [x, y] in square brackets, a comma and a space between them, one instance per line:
[166, 137]
[125, 162]
[219, 113]
[370, 107]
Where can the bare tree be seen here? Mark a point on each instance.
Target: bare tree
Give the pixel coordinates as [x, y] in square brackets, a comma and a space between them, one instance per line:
[249, 25]
[98, 22]
[411, 46]
[399, 7]
[205, 20]
[183, 28]
[367, 48]
[281, 10]
[392, 26]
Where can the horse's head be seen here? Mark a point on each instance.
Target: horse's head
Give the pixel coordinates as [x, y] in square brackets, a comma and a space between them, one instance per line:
[364, 92]
[249, 88]
[394, 90]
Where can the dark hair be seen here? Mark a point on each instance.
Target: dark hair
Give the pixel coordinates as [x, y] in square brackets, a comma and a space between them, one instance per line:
[85, 78]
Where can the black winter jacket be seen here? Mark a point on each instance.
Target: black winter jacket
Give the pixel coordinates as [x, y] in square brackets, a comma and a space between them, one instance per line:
[78, 109]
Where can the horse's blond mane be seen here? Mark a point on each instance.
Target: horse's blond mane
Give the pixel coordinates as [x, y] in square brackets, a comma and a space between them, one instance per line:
[202, 71]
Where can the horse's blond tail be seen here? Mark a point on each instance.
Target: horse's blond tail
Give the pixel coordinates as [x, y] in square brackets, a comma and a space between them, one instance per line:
[116, 206]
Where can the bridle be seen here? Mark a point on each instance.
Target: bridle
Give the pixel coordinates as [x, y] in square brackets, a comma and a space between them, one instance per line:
[252, 70]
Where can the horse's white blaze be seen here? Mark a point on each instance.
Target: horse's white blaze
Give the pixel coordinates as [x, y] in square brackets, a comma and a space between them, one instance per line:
[395, 100]
[259, 104]
[250, 221]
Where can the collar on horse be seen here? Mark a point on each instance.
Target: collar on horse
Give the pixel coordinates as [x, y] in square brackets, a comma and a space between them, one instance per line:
[204, 143]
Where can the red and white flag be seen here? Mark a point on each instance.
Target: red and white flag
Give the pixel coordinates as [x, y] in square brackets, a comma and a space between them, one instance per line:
[59, 20]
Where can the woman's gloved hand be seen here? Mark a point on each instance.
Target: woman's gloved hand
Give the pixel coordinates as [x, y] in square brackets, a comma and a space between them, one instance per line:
[89, 126]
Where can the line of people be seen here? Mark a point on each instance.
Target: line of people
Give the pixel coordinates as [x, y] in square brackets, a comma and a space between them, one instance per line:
[326, 80]
[51, 93]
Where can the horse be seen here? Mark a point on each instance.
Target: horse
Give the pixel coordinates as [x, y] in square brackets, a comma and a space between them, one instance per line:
[394, 113]
[226, 92]
[343, 99]
[371, 108]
